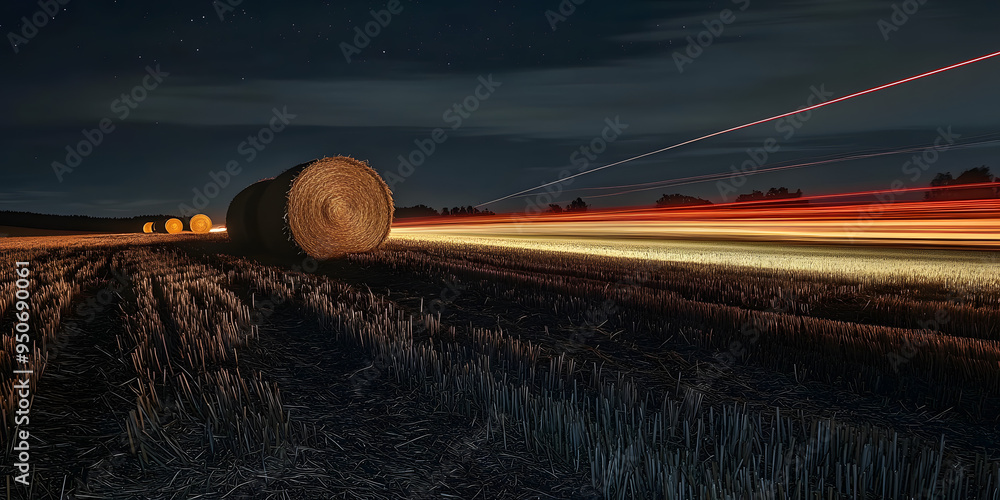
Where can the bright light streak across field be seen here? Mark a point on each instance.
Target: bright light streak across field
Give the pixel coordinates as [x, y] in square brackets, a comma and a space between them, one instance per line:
[758, 122]
[954, 223]
[970, 269]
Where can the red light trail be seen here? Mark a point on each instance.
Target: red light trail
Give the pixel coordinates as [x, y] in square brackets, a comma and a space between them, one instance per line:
[949, 221]
[757, 122]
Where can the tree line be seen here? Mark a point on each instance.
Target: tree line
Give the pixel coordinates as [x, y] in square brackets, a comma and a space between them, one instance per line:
[425, 211]
[978, 175]
[78, 222]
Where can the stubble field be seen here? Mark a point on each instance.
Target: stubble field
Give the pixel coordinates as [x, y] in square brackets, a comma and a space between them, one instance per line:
[172, 367]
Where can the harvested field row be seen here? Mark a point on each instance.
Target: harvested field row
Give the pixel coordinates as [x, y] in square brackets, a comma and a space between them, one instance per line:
[318, 381]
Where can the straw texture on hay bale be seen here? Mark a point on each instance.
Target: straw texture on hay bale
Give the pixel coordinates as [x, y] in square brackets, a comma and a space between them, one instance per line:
[147, 227]
[200, 223]
[326, 208]
[241, 217]
[174, 226]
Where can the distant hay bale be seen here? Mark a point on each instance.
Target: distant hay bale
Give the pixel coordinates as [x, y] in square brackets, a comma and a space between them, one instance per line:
[241, 217]
[326, 208]
[147, 227]
[159, 224]
[174, 226]
[200, 223]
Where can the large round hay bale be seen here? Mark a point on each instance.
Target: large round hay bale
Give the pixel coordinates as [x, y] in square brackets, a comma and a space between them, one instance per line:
[147, 227]
[174, 225]
[241, 217]
[325, 208]
[200, 223]
[272, 226]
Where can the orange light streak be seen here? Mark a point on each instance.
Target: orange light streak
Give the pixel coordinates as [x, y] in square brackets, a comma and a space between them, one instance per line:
[951, 223]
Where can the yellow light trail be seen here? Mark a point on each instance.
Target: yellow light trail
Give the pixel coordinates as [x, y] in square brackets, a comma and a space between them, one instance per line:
[970, 224]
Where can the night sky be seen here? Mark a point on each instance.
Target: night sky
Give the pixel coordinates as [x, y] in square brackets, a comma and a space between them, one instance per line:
[223, 80]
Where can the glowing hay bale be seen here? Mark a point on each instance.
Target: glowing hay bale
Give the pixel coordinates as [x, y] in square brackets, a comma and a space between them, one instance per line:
[326, 208]
[147, 227]
[241, 217]
[200, 223]
[159, 225]
[174, 226]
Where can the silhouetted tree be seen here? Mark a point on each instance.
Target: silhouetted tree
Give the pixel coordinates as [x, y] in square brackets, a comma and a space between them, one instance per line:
[79, 222]
[942, 179]
[465, 211]
[577, 205]
[414, 211]
[781, 193]
[680, 200]
[751, 196]
[978, 175]
[554, 208]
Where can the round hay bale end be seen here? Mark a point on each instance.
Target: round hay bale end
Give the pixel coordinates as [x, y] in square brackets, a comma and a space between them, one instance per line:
[174, 226]
[326, 208]
[241, 217]
[160, 225]
[200, 223]
[147, 227]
